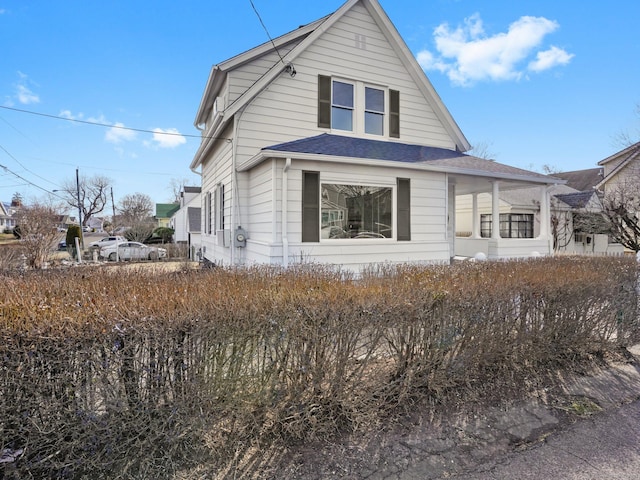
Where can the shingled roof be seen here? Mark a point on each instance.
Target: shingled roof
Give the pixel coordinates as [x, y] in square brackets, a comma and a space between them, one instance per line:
[582, 180]
[578, 199]
[364, 148]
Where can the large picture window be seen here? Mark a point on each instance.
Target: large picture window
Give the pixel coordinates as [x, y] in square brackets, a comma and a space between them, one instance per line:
[512, 225]
[356, 211]
[332, 211]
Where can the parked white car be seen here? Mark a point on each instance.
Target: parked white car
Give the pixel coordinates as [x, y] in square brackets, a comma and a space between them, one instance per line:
[106, 241]
[132, 251]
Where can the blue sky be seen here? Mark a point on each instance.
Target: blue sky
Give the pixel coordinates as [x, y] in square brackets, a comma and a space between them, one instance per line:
[542, 82]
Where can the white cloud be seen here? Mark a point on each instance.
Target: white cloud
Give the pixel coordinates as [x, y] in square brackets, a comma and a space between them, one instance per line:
[169, 138]
[549, 59]
[467, 54]
[118, 134]
[23, 93]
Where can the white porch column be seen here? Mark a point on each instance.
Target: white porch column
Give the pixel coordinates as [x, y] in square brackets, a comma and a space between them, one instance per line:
[545, 214]
[495, 210]
[475, 229]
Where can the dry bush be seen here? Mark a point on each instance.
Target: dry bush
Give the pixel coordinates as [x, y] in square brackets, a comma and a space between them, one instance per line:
[134, 374]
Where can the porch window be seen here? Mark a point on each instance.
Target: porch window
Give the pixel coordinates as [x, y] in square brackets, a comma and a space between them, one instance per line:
[334, 211]
[512, 225]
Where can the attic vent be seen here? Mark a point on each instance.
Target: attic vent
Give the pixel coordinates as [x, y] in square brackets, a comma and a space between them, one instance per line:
[361, 41]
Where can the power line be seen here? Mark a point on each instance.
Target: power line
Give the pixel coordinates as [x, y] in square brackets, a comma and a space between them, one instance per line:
[8, 170]
[267, 31]
[99, 124]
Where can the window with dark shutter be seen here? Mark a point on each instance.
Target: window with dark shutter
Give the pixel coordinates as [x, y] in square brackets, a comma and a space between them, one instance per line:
[310, 207]
[404, 209]
[394, 113]
[324, 101]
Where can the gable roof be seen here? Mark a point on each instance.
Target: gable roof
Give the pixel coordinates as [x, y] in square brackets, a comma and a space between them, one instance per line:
[307, 35]
[434, 158]
[626, 156]
[166, 210]
[582, 180]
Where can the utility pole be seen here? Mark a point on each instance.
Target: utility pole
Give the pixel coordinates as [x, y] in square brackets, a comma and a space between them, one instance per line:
[113, 205]
[79, 208]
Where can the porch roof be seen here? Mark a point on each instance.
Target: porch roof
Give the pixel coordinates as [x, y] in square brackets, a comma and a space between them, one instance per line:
[368, 149]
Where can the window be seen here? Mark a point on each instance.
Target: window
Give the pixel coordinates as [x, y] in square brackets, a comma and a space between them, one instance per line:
[218, 207]
[332, 211]
[342, 106]
[356, 211]
[359, 108]
[374, 111]
[512, 225]
[207, 213]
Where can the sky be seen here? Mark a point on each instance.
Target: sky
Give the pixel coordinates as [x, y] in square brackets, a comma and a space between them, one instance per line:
[112, 88]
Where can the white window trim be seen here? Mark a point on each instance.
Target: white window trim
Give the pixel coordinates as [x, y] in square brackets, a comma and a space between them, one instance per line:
[359, 104]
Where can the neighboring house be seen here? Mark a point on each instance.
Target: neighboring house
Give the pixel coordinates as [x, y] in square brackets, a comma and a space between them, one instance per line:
[330, 145]
[96, 224]
[621, 167]
[164, 212]
[7, 220]
[186, 222]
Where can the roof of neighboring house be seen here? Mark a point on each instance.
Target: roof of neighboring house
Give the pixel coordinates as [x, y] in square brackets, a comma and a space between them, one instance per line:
[166, 210]
[582, 180]
[630, 150]
[193, 216]
[364, 148]
[577, 199]
[625, 156]
[191, 189]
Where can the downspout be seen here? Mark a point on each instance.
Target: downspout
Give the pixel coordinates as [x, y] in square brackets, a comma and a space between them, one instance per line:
[285, 208]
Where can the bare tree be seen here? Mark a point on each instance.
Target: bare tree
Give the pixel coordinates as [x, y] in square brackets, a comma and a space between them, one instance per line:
[483, 150]
[621, 208]
[37, 231]
[625, 139]
[177, 186]
[93, 192]
[136, 212]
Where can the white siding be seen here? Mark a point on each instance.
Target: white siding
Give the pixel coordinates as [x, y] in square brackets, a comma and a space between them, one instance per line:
[287, 108]
[428, 228]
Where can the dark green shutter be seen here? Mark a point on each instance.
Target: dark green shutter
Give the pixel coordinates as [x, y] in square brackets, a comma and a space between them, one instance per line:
[310, 207]
[404, 209]
[324, 101]
[394, 113]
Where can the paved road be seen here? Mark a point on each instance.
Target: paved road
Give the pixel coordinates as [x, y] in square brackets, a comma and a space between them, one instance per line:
[603, 447]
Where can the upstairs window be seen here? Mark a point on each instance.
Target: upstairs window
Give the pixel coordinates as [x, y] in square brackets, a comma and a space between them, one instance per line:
[357, 107]
[374, 111]
[342, 102]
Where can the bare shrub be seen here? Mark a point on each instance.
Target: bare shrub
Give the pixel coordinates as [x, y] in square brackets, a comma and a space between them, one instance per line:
[132, 374]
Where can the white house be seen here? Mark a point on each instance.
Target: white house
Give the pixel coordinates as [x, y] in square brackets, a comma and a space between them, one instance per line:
[330, 145]
[186, 221]
[7, 220]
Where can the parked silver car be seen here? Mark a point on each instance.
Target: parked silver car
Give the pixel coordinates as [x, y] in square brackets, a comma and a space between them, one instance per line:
[106, 241]
[132, 251]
